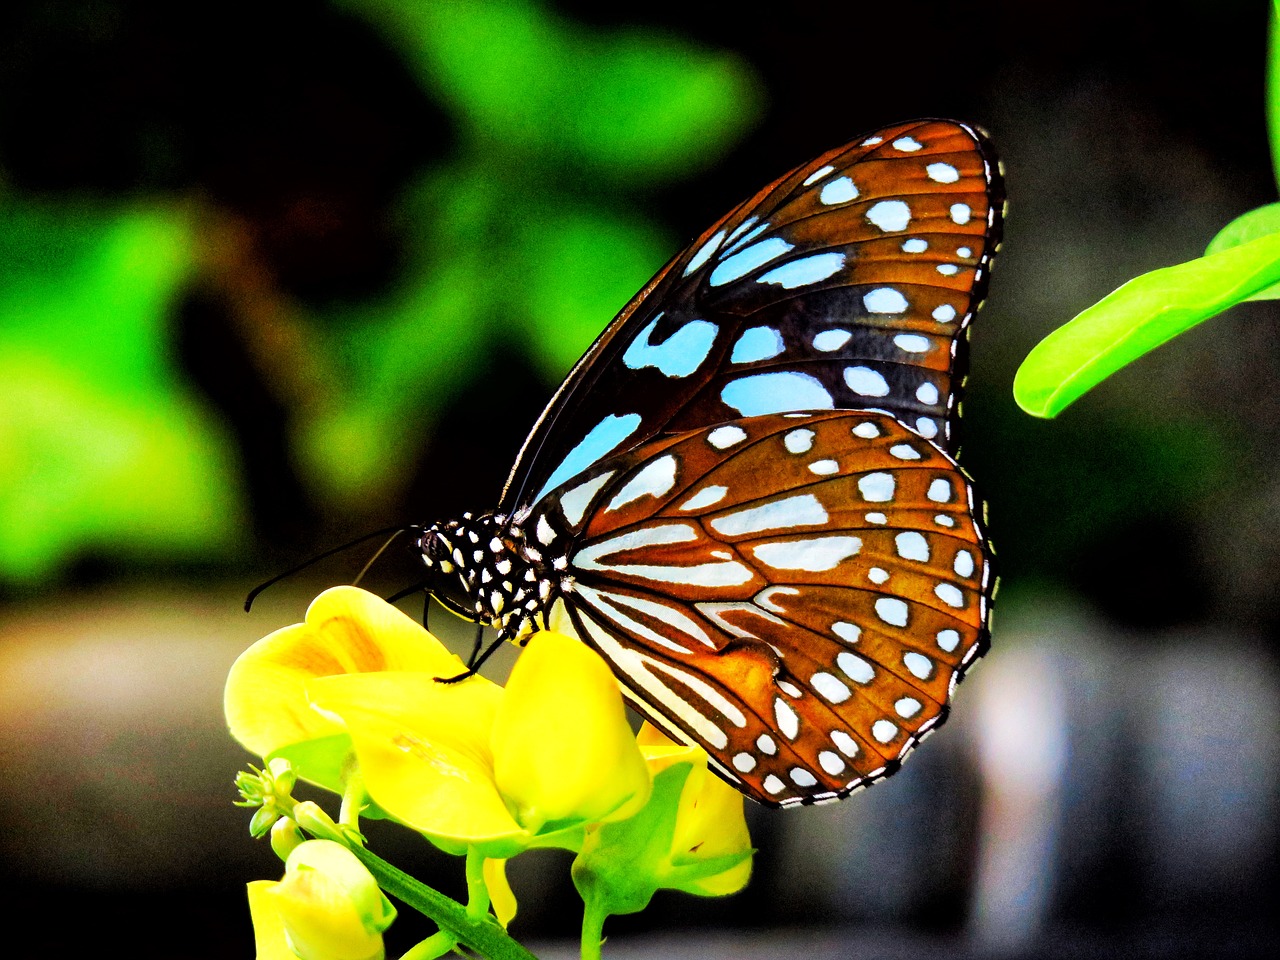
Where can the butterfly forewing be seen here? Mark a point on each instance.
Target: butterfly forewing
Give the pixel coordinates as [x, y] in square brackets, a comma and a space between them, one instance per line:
[796, 593]
[846, 284]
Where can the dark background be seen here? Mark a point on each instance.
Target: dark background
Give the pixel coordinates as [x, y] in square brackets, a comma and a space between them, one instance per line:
[1109, 782]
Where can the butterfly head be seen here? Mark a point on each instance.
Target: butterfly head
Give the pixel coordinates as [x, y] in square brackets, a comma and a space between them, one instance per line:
[478, 568]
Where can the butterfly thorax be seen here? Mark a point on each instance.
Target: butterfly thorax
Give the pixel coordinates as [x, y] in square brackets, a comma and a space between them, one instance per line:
[482, 568]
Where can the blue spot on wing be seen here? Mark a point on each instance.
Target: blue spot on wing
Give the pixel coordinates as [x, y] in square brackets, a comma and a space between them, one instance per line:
[780, 392]
[677, 356]
[806, 270]
[757, 343]
[747, 259]
[600, 441]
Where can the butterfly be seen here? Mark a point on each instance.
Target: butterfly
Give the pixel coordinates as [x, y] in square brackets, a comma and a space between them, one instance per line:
[744, 495]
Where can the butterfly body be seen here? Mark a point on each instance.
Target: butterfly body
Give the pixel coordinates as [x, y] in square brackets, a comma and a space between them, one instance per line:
[744, 496]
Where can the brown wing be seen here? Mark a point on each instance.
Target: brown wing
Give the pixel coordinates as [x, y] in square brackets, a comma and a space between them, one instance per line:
[797, 593]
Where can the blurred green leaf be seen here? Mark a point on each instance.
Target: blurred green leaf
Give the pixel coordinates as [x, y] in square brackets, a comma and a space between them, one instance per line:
[101, 449]
[1137, 318]
[1273, 88]
[507, 250]
[624, 103]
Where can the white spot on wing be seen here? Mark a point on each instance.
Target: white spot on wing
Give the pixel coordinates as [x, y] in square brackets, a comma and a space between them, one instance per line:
[884, 300]
[705, 498]
[830, 762]
[848, 632]
[892, 611]
[722, 438]
[907, 144]
[912, 546]
[876, 487]
[911, 342]
[921, 667]
[940, 491]
[884, 731]
[915, 245]
[890, 216]
[824, 468]
[814, 555]
[829, 687]
[844, 743]
[945, 313]
[654, 480]
[927, 393]
[963, 565]
[574, 503]
[855, 668]
[839, 190]
[798, 511]
[960, 213]
[744, 762]
[798, 441]
[866, 382]
[948, 640]
[904, 451]
[950, 595]
[817, 175]
[788, 721]
[942, 173]
[866, 430]
[831, 340]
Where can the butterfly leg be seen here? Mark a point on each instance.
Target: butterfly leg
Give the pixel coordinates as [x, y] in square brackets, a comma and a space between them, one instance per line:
[476, 662]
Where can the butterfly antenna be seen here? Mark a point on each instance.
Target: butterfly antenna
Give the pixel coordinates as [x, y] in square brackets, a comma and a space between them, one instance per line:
[380, 551]
[407, 591]
[253, 594]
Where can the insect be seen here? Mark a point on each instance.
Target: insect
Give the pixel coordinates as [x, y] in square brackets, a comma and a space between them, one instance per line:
[744, 495]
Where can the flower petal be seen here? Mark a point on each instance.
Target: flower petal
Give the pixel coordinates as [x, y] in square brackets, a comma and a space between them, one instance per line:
[423, 750]
[346, 630]
[501, 896]
[327, 907]
[563, 751]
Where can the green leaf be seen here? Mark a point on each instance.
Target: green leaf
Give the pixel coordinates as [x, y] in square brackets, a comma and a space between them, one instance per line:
[1250, 226]
[623, 102]
[1273, 88]
[1137, 318]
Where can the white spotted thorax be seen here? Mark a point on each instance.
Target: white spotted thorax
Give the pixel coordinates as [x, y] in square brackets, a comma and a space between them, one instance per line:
[744, 496]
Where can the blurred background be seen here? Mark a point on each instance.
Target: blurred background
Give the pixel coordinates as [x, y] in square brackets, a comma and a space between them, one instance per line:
[274, 275]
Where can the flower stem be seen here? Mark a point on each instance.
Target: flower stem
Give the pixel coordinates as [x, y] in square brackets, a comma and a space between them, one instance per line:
[477, 890]
[592, 931]
[483, 934]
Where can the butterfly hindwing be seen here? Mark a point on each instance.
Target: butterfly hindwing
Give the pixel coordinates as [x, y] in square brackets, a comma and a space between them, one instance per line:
[798, 594]
[847, 283]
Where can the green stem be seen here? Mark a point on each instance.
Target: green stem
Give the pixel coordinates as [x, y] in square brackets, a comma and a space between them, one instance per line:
[592, 930]
[482, 934]
[477, 889]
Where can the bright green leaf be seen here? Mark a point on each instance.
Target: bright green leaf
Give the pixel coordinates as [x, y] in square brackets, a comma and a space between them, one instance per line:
[1250, 226]
[1137, 318]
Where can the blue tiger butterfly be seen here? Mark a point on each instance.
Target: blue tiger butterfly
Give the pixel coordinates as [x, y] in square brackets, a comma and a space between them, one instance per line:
[744, 495]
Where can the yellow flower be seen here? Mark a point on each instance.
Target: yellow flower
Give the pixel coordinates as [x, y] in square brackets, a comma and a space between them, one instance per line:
[691, 836]
[327, 907]
[467, 764]
[710, 823]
